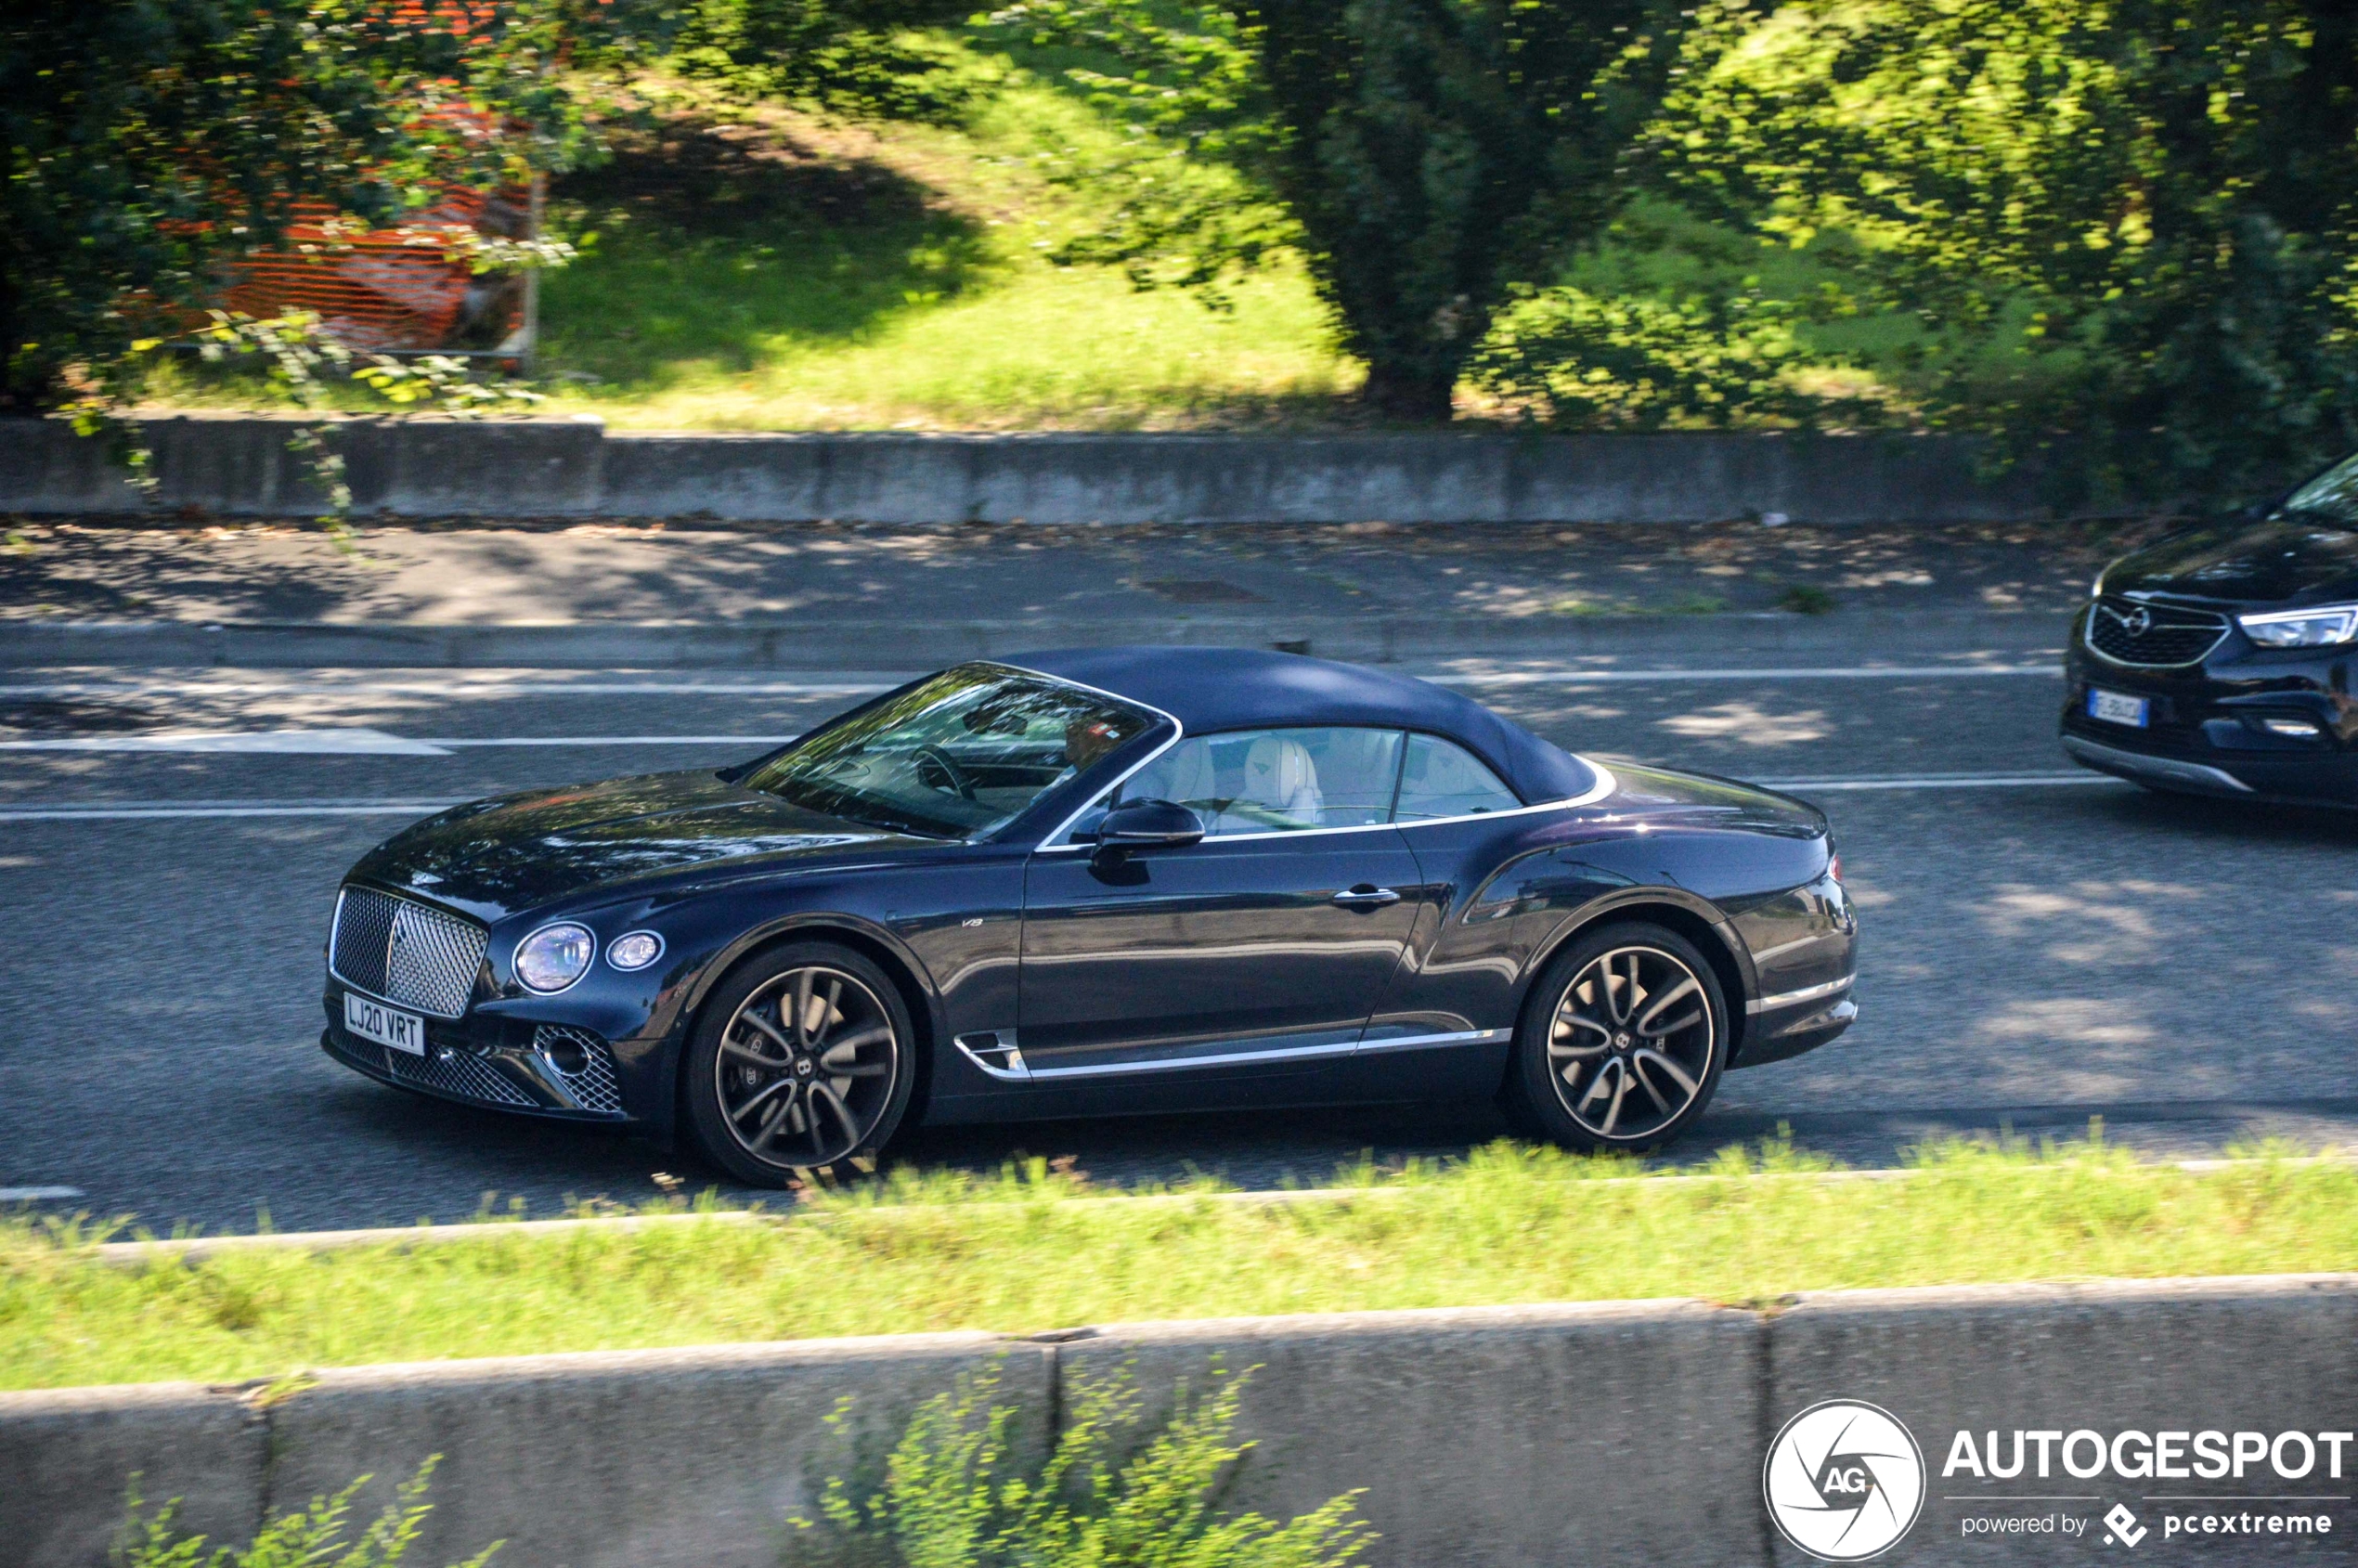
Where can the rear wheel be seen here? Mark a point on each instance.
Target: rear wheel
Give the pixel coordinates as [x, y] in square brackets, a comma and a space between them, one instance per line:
[802, 1062]
[1622, 1042]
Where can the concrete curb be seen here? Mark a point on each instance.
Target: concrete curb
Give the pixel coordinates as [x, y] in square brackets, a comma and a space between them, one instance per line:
[823, 645]
[238, 466]
[1589, 1432]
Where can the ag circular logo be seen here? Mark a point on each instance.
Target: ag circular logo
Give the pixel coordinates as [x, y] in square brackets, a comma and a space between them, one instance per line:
[1844, 1480]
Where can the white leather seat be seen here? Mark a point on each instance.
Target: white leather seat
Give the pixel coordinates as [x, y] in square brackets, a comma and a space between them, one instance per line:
[1280, 778]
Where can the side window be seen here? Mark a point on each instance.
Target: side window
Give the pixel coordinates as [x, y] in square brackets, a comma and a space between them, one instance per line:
[1276, 781]
[1443, 779]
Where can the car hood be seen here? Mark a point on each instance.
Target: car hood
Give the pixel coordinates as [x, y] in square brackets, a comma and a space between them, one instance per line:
[519, 851]
[2288, 558]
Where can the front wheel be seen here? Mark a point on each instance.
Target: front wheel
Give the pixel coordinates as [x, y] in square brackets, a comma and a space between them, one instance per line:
[801, 1061]
[1622, 1042]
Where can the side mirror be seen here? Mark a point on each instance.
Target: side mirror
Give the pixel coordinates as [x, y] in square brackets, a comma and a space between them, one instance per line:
[1147, 825]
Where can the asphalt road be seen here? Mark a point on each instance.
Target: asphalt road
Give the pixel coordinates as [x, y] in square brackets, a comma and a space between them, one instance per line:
[2041, 947]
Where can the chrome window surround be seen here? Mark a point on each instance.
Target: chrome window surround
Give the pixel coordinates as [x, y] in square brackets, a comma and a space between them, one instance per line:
[1605, 784]
[1015, 1071]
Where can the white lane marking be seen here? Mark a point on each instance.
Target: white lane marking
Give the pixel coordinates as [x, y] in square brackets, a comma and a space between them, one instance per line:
[611, 740]
[135, 810]
[1943, 781]
[243, 742]
[37, 1194]
[464, 685]
[1583, 676]
[143, 812]
[350, 741]
[456, 689]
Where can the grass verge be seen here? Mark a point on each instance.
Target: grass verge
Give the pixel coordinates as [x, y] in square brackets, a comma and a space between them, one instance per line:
[1037, 1249]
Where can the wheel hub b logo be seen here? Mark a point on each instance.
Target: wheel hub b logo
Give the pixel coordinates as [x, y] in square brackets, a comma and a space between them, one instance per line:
[1844, 1480]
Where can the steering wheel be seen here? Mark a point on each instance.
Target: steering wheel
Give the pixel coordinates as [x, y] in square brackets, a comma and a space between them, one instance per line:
[962, 783]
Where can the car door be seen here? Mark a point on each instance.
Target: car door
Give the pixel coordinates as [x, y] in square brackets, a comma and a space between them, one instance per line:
[1261, 950]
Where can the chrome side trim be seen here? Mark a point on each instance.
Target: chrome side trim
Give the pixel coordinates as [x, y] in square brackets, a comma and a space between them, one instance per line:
[1183, 1064]
[2166, 770]
[1793, 998]
[1421, 1042]
[1014, 1070]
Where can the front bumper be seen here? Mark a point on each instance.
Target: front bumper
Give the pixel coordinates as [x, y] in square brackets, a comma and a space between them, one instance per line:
[2206, 731]
[541, 1068]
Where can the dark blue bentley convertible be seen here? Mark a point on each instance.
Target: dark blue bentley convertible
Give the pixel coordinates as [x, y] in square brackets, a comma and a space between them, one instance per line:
[1095, 882]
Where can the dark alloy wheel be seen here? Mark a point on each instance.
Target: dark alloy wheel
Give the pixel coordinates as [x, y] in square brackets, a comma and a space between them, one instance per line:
[1622, 1042]
[802, 1061]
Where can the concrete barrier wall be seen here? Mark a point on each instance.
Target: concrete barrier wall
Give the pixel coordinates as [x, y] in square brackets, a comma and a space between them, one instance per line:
[1523, 1436]
[558, 468]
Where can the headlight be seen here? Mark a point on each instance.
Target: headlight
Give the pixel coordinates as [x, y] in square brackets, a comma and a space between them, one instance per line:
[634, 950]
[2096, 589]
[555, 956]
[2302, 629]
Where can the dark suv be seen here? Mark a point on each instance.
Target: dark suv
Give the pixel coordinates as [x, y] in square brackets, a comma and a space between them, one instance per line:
[2217, 661]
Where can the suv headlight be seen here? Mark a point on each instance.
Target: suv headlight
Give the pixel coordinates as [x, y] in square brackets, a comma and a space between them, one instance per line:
[2302, 629]
[555, 956]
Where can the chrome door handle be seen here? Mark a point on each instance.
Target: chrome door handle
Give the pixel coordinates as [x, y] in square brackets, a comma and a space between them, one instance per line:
[1364, 897]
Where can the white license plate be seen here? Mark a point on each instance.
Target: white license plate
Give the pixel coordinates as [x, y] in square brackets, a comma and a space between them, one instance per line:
[2116, 707]
[374, 1020]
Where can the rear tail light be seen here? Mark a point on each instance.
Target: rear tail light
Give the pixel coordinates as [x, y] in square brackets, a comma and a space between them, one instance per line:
[1833, 867]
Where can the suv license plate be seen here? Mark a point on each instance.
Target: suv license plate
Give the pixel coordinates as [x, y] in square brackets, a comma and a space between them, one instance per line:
[2114, 708]
[374, 1020]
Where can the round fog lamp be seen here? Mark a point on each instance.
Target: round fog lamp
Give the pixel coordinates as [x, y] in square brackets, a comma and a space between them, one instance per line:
[634, 950]
[554, 956]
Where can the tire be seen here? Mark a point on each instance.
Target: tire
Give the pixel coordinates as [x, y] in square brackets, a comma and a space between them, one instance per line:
[770, 1102]
[1592, 1073]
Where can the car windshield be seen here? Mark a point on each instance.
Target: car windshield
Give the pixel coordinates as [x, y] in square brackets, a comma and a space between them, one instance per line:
[2332, 494]
[957, 756]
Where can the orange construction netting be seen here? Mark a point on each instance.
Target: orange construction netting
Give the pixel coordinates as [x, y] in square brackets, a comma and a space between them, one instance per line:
[406, 288]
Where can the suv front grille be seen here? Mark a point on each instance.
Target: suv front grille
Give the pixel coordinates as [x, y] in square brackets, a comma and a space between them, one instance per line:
[405, 952]
[2155, 635]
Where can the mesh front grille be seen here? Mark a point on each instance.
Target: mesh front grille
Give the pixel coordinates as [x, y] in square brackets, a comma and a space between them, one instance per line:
[2128, 632]
[457, 1073]
[593, 1086]
[406, 953]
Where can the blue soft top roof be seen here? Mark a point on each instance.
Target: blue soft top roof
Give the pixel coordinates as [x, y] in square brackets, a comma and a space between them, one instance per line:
[1214, 689]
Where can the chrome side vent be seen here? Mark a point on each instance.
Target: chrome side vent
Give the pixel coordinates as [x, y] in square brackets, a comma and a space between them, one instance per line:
[994, 1051]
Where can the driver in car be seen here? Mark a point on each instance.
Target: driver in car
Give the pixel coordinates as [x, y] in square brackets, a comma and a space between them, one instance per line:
[1085, 741]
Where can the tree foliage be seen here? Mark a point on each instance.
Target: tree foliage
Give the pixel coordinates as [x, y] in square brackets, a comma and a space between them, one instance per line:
[869, 59]
[145, 143]
[1421, 155]
[2157, 198]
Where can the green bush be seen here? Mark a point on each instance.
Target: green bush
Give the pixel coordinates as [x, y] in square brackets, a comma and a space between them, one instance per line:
[956, 1492]
[310, 1537]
